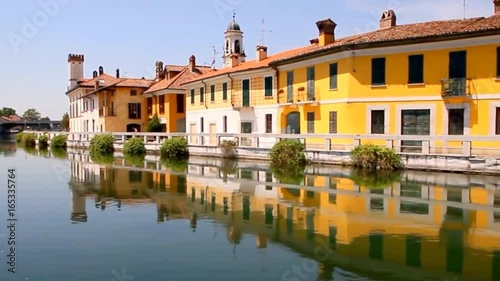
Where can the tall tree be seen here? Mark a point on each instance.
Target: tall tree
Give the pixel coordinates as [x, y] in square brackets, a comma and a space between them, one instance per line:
[6, 111]
[65, 121]
[32, 114]
[45, 119]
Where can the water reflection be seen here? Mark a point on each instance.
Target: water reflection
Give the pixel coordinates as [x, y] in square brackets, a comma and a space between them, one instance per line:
[420, 226]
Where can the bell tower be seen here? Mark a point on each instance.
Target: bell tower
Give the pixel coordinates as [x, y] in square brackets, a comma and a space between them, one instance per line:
[233, 44]
[75, 63]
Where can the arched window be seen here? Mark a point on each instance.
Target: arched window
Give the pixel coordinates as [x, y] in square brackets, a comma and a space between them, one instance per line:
[237, 48]
[227, 46]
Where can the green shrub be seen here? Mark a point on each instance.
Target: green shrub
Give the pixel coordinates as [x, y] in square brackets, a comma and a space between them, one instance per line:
[29, 140]
[176, 165]
[375, 157]
[174, 148]
[289, 174]
[59, 142]
[228, 148]
[134, 160]
[59, 152]
[154, 124]
[43, 151]
[102, 144]
[102, 158]
[43, 141]
[134, 146]
[375, 179]
[288, 154]
[19, 137]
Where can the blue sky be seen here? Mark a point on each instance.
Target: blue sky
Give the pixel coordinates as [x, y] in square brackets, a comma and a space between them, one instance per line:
[131, 35]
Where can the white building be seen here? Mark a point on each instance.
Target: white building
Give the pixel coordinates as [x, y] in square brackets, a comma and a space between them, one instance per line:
[239, 98]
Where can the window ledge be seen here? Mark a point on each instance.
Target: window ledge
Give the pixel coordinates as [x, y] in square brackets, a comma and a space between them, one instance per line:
[416, 84]
[378, 86]
[268, 97]
[333, 89]
[497, 79]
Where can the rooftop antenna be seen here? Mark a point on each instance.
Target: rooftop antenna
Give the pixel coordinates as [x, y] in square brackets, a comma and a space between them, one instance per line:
[215, 55]
[464, 8]
[263, 31]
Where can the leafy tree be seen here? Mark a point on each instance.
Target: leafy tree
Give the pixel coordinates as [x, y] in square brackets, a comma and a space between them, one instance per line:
[45, 119]
[65, 121]
[154, 124]
[32, 114]
[6, 111]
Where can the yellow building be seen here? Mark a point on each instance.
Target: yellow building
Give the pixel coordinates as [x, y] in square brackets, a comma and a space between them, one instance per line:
[166, 98]
[239, 98]
[105, 103]
[430, 78]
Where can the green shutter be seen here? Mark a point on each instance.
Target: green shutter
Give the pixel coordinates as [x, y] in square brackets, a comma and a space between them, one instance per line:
[192, 96]
[224, 91]
[378, 71]
[212, 93]
[333, 75]
[289, 86]
[268, 85]
[202, 94]
[498, 62]
[416, 69]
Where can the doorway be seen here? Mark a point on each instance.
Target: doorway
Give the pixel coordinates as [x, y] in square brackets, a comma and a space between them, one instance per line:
[213, 134]
[246, 128]
[192, 130]
[133, 127]
[293, 123]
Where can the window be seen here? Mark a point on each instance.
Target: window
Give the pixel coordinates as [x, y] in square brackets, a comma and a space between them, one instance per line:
[202, 125]
[310, 122]
[416, 69]
[212, 93]
[456, 121]
[333, 75]
[289, 86]
[310, 83]
[133, 92]
[161, 104]
[378, 122]
[458, 65]
[378, 71]
[498, 62]
[497, 125]
[333, 122]
[224, 124]
[149, 102]
[269, 123]
[224, 91]
[134, 111]
[180, 103]
[202, 94]
[192, 96]
[268, 86]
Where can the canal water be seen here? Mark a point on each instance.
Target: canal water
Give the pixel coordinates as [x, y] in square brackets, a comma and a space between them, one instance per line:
[218, 220]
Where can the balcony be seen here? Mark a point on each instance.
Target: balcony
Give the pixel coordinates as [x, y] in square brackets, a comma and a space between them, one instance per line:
[239, 101]
[300, 97]
[107, 111]
[455, 88]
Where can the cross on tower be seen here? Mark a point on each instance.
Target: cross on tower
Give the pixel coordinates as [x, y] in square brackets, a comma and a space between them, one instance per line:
[263, 31]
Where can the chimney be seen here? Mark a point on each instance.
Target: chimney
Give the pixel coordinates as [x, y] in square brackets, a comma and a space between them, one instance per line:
[314, 41]
[160, 72]
[261, 53]
[388, 19]
[192, 63]
[326, 30]
[234, 60]
[497, 6]
[94, 74]
[117, 73]
[101, 70]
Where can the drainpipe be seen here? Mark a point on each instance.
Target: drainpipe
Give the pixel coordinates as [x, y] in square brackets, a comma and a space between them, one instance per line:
[204, 93]
[231, 93]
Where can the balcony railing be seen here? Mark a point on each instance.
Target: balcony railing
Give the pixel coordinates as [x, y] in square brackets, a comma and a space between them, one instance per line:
[239, 101]
[107, 111]
[455, 87]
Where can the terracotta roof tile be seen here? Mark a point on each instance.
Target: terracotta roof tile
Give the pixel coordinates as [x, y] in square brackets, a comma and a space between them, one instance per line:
[108, 80]
[135, 82]
[250, 65]
[406, 32]
[179, 79]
